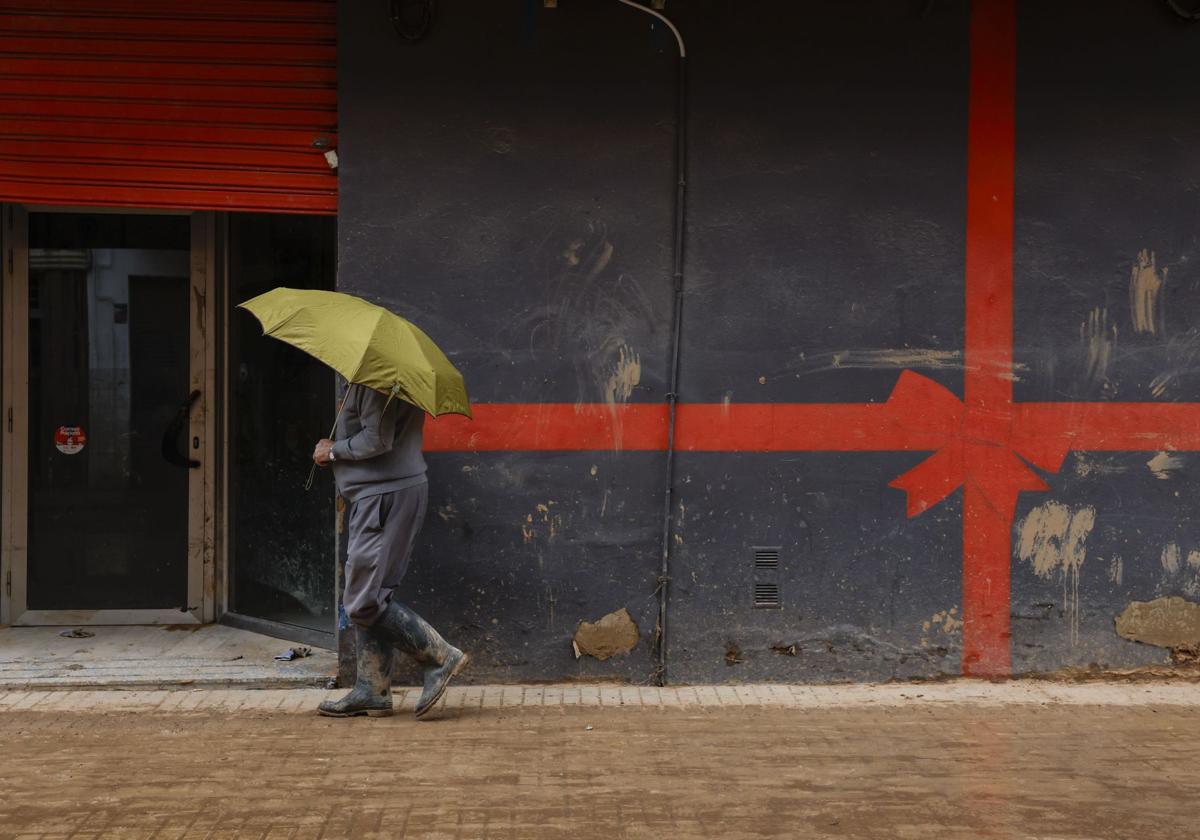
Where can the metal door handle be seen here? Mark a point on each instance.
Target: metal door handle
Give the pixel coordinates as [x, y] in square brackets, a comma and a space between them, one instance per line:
[170, 441]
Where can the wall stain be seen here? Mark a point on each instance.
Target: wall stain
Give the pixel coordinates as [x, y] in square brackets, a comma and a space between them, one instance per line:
[1170, 558]
[887, 358]
[1051, 539]
[626, 375]
[1181, 572]
[1099, 340]
[544, 522]
[1087, 465]
[1164, 465]
[1145, 286]
[1116, 570]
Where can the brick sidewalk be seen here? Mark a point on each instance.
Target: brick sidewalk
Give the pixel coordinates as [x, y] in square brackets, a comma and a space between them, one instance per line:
[955, 760]
[494, 697]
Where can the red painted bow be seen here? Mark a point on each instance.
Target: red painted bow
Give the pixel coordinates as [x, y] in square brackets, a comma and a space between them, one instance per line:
[990, 449]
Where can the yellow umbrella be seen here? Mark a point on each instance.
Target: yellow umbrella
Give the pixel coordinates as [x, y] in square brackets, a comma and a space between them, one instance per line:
[366, 344]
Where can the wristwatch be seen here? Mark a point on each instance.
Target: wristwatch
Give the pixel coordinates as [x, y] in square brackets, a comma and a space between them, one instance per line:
[332, 457]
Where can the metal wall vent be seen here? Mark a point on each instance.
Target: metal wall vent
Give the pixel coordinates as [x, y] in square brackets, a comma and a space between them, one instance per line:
[766, 596]
[766, 557]
[766, 577]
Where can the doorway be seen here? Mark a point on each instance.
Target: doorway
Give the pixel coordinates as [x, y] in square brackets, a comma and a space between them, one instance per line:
[280, 538]
[108, 366]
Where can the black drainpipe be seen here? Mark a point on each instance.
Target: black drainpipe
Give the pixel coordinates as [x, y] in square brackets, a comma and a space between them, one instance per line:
[664, 573]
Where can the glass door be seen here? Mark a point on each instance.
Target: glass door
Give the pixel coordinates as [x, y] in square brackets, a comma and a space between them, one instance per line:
[281, 545]
[110, 450]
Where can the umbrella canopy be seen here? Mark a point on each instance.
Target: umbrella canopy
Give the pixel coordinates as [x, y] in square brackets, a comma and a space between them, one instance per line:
[366, 344]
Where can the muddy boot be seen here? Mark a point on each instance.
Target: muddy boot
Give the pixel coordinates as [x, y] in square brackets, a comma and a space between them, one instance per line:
[372, 692]
[439, 659]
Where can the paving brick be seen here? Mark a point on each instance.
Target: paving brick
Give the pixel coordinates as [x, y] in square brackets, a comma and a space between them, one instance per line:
[194, 699]
[727, 695]
[30, 700]
[405, 699]
[684, 697]
[650, 696]
[748, 695]
[955, 760]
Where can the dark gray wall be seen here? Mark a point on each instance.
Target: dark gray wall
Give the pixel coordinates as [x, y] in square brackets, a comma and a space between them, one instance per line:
[825, 247]
[1108, 165]
[508, 184]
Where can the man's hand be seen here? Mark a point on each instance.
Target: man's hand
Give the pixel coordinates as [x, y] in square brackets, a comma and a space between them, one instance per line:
[322, 452]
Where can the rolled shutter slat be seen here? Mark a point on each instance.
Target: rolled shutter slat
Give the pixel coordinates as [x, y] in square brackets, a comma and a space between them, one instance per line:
[159, 103]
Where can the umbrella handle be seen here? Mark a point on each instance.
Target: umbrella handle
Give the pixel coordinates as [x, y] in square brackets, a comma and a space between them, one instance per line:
[312, 472]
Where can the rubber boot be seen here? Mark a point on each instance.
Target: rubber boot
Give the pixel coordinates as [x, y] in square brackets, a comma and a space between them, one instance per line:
[440, 659]
[372, 691]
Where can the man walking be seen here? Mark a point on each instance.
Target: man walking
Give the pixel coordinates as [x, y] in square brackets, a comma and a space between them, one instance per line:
[380, 472]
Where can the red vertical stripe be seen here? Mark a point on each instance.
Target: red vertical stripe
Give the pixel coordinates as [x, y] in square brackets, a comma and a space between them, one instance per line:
[987, 528]
[989, 281]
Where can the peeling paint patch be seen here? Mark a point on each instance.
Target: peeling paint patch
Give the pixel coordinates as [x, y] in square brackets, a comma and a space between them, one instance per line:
[947, 622]
[1145, 286]
[614, 633]
[1051, 538]
[1164, 622]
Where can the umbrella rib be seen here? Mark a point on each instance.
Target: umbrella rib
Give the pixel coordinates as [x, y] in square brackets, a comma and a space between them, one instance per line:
[378, 318]
[291, 317]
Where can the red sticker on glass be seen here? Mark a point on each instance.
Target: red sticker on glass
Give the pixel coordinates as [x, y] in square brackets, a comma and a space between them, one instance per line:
[69, 439]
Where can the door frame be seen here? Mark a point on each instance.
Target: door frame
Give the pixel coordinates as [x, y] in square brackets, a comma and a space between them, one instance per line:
[202, 431]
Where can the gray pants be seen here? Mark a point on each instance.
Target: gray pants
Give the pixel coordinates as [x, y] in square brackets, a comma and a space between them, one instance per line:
[382, 529]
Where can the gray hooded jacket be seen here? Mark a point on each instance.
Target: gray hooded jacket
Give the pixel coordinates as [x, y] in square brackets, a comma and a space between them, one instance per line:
[377, 451]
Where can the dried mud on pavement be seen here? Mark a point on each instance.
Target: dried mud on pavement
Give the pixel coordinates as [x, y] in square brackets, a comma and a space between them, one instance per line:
[955, 770]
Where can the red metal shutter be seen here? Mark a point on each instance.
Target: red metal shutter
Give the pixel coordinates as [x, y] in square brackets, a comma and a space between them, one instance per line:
[206, 104]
